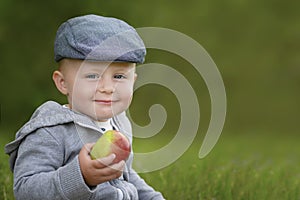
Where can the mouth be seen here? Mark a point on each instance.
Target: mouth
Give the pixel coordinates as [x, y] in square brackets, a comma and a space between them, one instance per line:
[104, 102]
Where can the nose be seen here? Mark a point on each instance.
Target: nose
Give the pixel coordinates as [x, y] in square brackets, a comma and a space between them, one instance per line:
[105, 85]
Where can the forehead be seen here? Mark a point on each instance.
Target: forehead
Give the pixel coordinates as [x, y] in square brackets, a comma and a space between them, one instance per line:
[72, 64]
[108, 65]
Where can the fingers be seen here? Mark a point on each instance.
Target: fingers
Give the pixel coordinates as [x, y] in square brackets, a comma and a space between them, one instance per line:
[112, 172]
[101, 170]
[102, 162]
[105, 161]
[98, 163]
[118, 166]
[111, 169]
[111, 177]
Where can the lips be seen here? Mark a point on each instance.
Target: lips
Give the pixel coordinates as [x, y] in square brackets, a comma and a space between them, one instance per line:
[105, 102]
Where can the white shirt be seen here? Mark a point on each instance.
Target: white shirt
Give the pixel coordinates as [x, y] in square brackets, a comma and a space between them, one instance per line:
[105, 126]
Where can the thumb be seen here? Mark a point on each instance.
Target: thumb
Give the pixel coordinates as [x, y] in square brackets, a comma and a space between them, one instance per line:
[84, 153]
[87, 148]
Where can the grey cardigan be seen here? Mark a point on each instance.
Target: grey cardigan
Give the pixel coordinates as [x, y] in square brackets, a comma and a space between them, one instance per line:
[44, 158]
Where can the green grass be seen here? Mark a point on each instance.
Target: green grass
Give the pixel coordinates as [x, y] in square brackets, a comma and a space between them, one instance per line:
[239, 167]
[6, 177]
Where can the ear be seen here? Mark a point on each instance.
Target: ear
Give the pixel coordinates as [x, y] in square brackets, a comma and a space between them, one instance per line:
[135, 76]
[59, 81]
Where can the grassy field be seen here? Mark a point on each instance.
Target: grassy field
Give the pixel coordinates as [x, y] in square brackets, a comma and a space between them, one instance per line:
[239, 167]
[248, 166]
[6, 192]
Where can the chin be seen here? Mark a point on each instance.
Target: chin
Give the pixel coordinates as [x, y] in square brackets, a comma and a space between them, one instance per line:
[103, 117]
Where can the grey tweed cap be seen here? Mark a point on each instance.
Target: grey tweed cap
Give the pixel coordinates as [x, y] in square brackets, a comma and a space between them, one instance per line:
[93, 37]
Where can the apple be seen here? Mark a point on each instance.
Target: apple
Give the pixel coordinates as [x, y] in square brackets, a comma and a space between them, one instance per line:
[111, 141]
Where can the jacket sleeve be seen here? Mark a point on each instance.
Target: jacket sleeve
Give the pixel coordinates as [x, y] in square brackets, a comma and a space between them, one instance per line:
[145, 192]
[38, 173]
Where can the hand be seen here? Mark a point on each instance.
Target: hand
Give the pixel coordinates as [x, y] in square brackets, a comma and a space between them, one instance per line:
[98, 171]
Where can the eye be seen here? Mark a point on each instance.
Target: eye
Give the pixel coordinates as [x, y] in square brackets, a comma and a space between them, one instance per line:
[92, 76]
[119, 76]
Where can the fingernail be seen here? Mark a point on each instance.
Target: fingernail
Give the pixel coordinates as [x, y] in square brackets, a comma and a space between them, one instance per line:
[113, 156]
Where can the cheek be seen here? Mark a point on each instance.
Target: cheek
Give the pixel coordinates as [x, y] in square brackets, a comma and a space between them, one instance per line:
[128, 96]
[83, 90]
[124, 92]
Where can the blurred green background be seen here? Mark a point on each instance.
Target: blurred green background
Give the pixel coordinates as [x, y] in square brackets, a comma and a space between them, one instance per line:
[255, 44]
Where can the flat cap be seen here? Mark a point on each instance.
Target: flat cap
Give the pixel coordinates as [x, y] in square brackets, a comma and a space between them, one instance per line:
[93, 37]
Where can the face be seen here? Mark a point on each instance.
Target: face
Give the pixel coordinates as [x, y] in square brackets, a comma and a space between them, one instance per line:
[98, 89]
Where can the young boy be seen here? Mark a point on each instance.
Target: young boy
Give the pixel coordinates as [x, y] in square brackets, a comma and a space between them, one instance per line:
[50, 156]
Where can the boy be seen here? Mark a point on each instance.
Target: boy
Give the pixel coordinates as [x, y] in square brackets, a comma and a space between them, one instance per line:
[50, 156]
